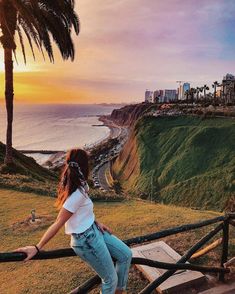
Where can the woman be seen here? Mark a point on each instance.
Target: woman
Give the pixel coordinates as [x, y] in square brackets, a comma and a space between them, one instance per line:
[90, 239]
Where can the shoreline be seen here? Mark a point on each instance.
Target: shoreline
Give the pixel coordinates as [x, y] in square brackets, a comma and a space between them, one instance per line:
[115, 132]
[56, 157]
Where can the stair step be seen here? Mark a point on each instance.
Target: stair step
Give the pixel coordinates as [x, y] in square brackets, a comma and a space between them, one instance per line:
[221, 289]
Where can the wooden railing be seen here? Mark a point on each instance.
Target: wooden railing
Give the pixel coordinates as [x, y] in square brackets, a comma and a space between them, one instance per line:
[222, 222]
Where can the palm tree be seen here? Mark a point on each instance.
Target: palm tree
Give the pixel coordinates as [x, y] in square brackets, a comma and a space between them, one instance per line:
[187, 92]
[198, 89]
[215, 85]
[41, 22]
[192, 93]
[201, 90]
[205, 88]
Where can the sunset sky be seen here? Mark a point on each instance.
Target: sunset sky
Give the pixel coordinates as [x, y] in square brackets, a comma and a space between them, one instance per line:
[127, 46]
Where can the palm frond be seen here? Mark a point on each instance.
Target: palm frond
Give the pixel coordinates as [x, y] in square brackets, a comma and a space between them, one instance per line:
[27, 33]
[21, 42]
[44, 21]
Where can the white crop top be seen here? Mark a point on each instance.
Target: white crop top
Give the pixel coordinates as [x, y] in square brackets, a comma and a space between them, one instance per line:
[80, 204]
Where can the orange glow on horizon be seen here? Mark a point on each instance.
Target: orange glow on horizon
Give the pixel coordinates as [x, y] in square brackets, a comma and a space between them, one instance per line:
[116, 59]
[40, 88]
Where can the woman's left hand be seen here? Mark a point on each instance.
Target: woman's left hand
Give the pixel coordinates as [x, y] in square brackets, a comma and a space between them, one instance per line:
[103, 228]
[29, 250]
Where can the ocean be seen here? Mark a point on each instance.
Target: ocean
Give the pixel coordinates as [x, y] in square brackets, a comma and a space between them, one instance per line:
[55, 127]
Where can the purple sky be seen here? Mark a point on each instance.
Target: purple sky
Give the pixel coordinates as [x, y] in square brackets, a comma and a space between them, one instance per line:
[126, 46]
[140, 44]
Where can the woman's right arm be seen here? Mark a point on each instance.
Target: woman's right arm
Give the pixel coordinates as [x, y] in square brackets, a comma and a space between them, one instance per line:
[61, 219]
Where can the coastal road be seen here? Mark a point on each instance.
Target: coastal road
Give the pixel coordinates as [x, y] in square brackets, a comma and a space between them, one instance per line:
[116, 131]
[102, 177]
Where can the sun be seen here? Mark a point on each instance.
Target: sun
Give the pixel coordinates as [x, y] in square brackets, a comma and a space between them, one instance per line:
[18, 68]
[19, 65]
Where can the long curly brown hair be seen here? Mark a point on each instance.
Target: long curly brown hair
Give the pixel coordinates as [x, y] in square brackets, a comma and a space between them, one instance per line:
[70, 179]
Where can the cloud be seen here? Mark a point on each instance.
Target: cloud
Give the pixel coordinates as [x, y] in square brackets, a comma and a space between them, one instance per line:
[126, 46]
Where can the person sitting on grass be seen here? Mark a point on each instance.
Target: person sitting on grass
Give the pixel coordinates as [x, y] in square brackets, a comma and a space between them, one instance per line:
[91, 240]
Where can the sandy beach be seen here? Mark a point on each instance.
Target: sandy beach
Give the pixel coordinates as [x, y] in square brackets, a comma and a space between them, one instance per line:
[57, 159]
[115, 132]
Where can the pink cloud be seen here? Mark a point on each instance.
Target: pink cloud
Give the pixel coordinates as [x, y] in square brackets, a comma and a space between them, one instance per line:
[126, 46]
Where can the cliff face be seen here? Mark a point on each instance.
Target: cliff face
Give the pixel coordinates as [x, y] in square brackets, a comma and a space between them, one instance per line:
[182, 160]
[127, 165]
[127, 115]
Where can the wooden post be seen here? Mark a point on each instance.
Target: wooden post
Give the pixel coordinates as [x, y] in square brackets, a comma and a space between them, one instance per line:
[224, 256]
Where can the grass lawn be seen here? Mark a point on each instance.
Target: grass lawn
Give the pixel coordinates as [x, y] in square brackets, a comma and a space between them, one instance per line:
[127, 219]
[187, 161]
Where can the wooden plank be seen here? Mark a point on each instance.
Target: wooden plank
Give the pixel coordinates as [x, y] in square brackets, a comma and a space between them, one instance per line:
[207, 249]
[221, 289]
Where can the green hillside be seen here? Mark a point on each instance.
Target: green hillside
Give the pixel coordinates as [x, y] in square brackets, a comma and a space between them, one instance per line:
[26, 175]
[188, 161]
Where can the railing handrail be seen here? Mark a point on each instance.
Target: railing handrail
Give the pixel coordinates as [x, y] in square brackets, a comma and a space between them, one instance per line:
[224, 220]
[68, 252]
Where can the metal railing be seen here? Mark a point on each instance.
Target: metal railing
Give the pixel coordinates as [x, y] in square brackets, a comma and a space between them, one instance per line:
[222, 222]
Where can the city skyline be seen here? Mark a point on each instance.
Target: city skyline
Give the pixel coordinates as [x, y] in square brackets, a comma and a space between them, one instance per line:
[117, 58]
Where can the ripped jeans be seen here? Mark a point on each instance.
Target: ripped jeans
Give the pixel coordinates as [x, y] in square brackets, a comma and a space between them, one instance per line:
[97, 249]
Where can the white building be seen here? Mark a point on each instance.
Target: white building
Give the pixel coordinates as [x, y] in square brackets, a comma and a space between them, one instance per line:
[228, 88]
[158, 96]
[170, 95]
[149, 96]
[180, 92]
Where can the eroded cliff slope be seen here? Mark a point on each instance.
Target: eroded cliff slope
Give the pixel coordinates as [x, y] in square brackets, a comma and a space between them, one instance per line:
[182, 160]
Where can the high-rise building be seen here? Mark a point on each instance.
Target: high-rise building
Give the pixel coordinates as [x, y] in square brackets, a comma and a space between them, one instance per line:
[182, 89]
[170, 95]
[186, 87]
[148, 96]
[228, 88]
[180, 92]
[156, 95]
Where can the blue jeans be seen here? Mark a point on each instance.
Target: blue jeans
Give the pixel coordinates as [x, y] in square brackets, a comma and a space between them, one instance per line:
[96, 249]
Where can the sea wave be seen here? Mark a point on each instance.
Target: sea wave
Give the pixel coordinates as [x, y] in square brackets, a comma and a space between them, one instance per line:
[55, 127]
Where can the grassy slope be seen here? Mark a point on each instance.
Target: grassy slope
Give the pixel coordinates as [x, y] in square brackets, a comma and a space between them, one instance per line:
[185, 160]
[67, 273]
[26, 175]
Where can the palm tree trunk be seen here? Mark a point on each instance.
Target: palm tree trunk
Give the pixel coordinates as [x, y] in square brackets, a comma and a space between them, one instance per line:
[215, 96]
[204, 100]
[9, 95]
